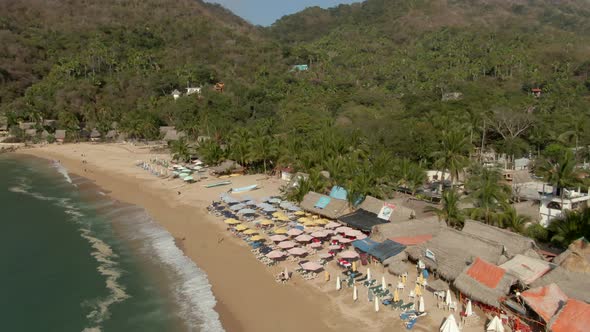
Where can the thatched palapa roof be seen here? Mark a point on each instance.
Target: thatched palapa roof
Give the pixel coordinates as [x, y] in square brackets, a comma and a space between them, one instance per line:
[60, 134]
[513, 242]
[527, 269]
[409, 232]
[576, 258]
[335, 208]
[375, 205]
[454, 250]
[485, 282]
[226, 167]
[574, 284]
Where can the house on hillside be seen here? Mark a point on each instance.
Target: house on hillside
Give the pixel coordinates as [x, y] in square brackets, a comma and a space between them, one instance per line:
[175, 94]
[536, 92]
[299, 68]
[193, 90]
[60, 135]
[553, 206]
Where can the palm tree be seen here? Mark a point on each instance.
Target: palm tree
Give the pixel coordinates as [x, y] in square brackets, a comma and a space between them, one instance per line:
[570, 227]
[449, 212]
[452, 154]
[577, 129]
[487, 194]
[263, 148]
[180, 150]
[560, 173]
[211, 152]
[513, 221]
[239, 147]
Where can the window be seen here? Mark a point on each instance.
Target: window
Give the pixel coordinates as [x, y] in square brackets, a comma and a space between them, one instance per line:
[554, 206]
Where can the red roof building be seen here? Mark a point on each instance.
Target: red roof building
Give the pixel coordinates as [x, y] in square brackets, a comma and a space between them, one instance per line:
[573, 317]
[545, 301]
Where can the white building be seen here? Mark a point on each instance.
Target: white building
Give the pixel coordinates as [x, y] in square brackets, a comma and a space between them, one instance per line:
[552, 206]
[434, 175]
[190, 91]
[176, 94]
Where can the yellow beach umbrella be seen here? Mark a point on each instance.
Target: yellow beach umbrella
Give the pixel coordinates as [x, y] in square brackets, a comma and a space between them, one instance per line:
[240, 228]
[266, 222]
[250, 232]
[421, 279]
[309, 223]
[280, 231]
[418, 290]
[315, 217]
[231, 221]
[322, 221]
[299, 213]
[303, 219]
[395, 295]
[234, 175]
[354, 266]
[277, 214]
[256, 238]
[284, 218]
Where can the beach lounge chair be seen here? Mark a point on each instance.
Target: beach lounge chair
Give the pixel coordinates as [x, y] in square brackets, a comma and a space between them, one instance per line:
[397, 305]
[410, 314]
[407, 306]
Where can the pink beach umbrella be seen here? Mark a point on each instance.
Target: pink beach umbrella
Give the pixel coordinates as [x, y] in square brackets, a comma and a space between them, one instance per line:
[361, 237]
[349, 254]
[311, 229]
[316, 245]
[286, 244]
[311, 266]
[334, 247]
[304, 238]
[275, 254]
[297, 251]
[325, 255]
[343, 229]
[294, 232]
[336, 238]
[332, 224]
[319, 234]
[344, 240]
[278, 238]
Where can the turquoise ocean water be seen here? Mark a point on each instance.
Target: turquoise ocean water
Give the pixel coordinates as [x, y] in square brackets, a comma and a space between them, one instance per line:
[73, 259]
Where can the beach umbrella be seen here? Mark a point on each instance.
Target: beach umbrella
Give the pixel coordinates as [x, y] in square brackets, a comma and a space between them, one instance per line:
[344, 240]
[237, 207]
[240, 228]
[395, 295]
[368, 274]
[383, 283]
[256, 238]
[188, 178]
[332, 224]
[376, 301]
[250, 232]
[337, 237]
[324, 255]
[334, 247]
[311, 266]
[274, 200]
[355, 293]
[266, 222]
[338, 285]
[343, 229]
[495, 325]
[418, 290]
[251, 203]
[349, 254]
[231, 221]
[275, 254]
[278, 238]
[299, 213]
[326, 276]
[286, 244]
[316, 245]
[450, 325]
[448, 298]
[246, 211]
[228, 199]
[294, 232]
[294, 208]
[421, 304]
[309, 223]
[322, 221]
[468, 309]
[304, 238]
[319, 234]
[361, 237]
[280, 231]
[297, 251]
[286, 273]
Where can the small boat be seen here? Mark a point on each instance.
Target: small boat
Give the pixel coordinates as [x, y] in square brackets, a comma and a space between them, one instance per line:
[244, 189]
[217, 184]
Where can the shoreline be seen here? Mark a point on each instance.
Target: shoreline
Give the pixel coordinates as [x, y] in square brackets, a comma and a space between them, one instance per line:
[248, 299]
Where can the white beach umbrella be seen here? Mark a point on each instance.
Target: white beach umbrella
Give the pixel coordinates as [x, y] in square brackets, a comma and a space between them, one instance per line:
[338, 284]
[355, 293]
[448, 298]
[421, 304]
[383, 283]
[368, 274]
[495, 325]
[468, 309]
[450, 325]
[376, 304]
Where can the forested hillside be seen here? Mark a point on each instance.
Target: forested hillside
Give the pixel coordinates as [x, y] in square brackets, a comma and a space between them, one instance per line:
[389, 81]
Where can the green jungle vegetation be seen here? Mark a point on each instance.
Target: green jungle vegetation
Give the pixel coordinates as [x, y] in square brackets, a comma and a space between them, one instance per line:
[394, 87]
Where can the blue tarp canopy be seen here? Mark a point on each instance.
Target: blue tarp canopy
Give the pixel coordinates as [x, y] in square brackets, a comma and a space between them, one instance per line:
[338, 193]
[386, 249]
[322, 202]
[364, 245]
[237, 207]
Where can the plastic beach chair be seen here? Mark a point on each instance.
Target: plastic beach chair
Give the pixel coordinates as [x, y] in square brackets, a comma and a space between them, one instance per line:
[411, 323]
[407, 306]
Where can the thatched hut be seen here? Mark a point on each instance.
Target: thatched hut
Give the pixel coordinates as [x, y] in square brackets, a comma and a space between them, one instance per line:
[227, 166]
[574, 284]
[514, 243]
[323, 205]
[374, 205]
[545, 300]
[451, 251]
[576, 258]
[60, 135]
[485, 282]
[409, 232]
[95, 135]
[173, 135]
[526, 269]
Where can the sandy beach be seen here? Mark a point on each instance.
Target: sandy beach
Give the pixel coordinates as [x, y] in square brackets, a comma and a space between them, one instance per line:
[248, 298]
